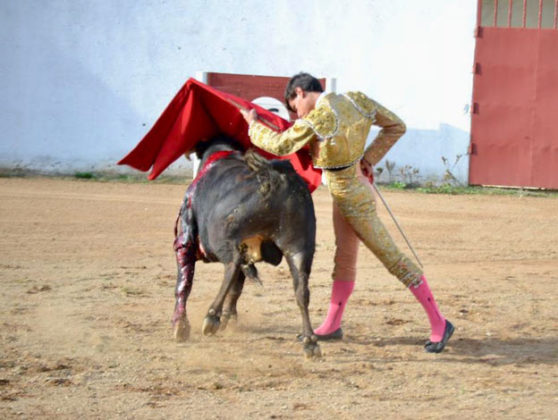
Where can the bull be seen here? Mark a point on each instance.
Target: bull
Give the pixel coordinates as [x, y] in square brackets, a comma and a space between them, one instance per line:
[242, 209]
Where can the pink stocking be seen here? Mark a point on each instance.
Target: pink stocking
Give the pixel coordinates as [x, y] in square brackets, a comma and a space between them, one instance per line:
[437, 321]
[340, 293]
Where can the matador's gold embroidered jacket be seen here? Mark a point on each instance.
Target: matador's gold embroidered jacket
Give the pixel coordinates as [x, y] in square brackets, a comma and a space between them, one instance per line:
[336, 131]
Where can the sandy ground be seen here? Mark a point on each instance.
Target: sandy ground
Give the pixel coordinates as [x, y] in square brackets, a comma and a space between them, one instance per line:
[87, 274]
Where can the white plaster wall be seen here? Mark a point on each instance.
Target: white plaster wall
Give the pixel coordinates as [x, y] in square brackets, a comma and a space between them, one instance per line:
[82, 81]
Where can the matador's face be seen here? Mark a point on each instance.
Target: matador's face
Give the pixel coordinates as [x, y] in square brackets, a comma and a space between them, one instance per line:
[302, 103]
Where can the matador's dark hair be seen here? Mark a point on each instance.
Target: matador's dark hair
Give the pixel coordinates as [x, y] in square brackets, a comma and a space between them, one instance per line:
[306, 82]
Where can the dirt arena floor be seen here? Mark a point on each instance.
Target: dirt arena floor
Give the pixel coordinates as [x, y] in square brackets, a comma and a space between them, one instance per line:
[87, 274]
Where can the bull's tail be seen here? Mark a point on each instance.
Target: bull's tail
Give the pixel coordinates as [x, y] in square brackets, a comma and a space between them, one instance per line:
[268, 178]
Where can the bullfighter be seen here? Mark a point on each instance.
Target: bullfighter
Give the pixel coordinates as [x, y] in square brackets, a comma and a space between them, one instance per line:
[335, 127]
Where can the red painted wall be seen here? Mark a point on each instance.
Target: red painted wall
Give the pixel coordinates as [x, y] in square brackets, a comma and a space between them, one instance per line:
[514, 128]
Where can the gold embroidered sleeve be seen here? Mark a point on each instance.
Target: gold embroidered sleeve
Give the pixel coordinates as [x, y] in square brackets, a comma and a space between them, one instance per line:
[392, 129]
[280, 144]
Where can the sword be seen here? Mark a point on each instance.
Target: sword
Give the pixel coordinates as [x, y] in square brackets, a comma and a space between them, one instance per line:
[396, 222]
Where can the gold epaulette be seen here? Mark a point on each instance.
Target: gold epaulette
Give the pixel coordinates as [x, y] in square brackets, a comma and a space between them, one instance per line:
[362, 103]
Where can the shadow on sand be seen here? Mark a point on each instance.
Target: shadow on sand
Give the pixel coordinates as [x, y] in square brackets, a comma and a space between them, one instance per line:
[489, 350]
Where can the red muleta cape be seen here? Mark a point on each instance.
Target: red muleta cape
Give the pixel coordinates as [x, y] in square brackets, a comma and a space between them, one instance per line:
[199, 112]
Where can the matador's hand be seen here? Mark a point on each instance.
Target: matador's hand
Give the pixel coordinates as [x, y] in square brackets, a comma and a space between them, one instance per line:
[249, 116]
[367, 170]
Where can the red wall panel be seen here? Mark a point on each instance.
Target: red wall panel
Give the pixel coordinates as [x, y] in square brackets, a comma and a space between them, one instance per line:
[514, 126]
[545, 117]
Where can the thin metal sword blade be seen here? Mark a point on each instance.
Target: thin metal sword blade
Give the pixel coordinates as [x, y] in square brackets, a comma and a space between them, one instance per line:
[386, 205]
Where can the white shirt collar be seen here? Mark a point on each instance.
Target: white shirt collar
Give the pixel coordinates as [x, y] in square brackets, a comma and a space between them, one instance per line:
[322, 95]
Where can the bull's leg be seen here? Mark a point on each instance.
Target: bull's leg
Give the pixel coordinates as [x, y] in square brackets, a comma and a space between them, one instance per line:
[185, 260]
[213, 318]
[299, 264]
[229, 308]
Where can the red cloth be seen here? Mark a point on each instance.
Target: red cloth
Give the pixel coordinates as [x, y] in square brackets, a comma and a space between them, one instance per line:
[197, 113]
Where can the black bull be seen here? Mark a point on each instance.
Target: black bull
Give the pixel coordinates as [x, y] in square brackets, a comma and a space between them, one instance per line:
[242, 210]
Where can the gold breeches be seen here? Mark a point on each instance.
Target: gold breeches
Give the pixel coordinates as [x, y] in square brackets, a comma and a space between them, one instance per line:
[355, 201]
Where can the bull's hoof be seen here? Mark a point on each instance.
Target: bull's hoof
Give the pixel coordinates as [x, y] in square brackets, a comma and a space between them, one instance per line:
[181, 330]
[225, 318]
[311, 347]
[210, 325]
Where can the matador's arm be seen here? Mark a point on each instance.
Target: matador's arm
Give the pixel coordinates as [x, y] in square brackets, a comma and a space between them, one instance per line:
[280, 144]
[393, 128]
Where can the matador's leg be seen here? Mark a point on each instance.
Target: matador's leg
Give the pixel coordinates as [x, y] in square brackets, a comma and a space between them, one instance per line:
[356, 203]
[344, 274]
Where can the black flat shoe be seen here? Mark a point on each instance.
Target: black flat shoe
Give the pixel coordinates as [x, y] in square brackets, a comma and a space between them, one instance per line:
[333, 336]
[438, 346]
